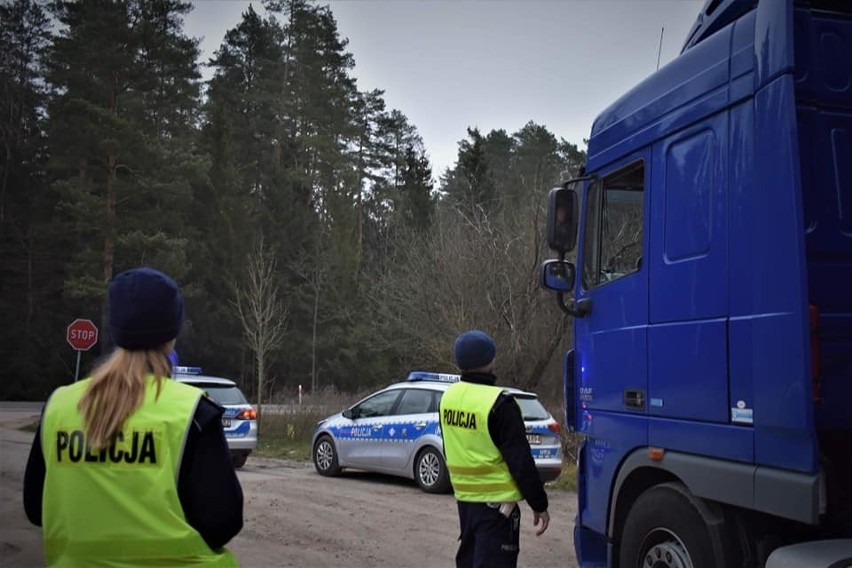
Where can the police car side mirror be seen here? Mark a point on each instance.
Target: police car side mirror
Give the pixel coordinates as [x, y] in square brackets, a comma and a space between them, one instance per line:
[349, 413]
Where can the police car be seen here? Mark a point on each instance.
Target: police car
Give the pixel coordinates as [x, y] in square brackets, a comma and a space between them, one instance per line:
[240, 418]
[397, 431]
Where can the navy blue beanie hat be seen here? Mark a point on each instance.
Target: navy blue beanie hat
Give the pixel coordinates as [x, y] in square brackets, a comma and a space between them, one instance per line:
[145, 309]
[474, 349]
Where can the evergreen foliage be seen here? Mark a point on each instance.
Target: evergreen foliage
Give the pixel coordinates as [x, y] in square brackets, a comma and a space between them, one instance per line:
[115, 154]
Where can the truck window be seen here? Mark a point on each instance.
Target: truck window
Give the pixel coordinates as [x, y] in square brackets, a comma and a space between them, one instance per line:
[612, 240]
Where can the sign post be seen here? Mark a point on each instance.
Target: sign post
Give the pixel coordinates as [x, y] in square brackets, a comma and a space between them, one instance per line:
[82, 335]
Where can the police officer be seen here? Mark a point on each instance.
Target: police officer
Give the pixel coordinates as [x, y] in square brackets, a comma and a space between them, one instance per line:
[129, 468]
[489, 460]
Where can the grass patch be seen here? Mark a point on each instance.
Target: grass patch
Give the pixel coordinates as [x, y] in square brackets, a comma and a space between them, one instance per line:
[287, 427]
[567, 480]
[288, 449]
[288, 435]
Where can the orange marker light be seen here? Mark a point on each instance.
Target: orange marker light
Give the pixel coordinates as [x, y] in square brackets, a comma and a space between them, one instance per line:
[656, 454]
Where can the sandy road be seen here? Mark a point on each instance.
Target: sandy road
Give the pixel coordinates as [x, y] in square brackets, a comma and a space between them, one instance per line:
[294, 517]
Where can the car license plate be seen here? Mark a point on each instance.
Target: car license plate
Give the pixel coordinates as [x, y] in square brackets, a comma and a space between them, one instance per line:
[534, 439]
[226, 423]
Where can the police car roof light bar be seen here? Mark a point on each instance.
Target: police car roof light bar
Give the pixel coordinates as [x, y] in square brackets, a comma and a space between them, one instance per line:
[187, 370]
[437, 377]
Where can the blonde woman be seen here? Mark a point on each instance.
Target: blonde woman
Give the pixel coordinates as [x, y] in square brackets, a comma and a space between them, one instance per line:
[130, 468]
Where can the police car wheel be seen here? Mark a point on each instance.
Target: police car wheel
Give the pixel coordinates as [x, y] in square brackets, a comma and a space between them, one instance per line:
[430, 471]
[325, 457]
[239, 460]
[668, 527]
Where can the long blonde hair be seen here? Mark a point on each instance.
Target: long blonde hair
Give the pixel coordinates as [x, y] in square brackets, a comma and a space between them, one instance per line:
[117, 389]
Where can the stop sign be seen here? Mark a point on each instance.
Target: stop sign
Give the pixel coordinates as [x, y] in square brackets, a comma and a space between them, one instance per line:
[82, 334]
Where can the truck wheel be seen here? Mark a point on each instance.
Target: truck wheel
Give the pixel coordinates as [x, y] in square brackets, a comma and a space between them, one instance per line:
[430, 471]
[668, 527]
[325, 457]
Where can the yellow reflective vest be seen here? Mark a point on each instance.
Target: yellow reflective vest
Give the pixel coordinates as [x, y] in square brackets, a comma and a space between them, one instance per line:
[477, 470]
[119, 506]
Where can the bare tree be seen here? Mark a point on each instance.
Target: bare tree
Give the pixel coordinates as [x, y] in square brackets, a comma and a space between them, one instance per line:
[315, 268]
[473, 270]
[315, 275]
[262, 314]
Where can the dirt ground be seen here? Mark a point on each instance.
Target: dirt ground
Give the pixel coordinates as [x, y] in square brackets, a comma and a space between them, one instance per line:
[294, 517]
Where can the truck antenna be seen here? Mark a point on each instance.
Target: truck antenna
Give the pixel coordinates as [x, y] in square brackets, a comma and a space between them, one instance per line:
[660, 48]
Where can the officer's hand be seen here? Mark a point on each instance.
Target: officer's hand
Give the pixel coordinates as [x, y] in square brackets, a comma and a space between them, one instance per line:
[544, 518]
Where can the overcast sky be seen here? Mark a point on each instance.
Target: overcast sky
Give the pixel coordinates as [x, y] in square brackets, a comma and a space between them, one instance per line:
[450, 64]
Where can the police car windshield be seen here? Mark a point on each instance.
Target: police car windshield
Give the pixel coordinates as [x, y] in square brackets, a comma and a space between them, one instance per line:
[223, 394]
[532, 409]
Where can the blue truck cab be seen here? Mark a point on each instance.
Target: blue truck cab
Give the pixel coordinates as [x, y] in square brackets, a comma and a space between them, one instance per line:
[708, 249]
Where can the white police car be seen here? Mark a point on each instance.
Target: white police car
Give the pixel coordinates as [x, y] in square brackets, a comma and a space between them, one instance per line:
[240, 418]
[396, 431]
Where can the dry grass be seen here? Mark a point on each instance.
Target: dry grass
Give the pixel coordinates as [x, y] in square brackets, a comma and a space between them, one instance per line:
[567, 481]
[286, 432]
[570, 443]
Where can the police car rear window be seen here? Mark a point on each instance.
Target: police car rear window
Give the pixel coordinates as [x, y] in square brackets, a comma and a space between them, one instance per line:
[223, 394]
[532, 409]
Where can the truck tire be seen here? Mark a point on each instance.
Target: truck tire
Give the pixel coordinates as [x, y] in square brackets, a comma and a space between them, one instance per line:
[668, 527]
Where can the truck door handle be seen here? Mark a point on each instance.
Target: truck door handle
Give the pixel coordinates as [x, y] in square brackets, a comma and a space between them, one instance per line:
[634, 398]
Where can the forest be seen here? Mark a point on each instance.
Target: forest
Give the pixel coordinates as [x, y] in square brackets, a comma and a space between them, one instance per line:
[313, 241]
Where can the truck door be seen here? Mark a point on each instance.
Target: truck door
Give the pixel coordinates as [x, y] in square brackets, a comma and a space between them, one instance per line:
[611, 363]
[611, 340]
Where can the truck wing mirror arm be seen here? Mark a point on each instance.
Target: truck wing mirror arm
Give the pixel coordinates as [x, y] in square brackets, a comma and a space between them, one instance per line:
[578, 309]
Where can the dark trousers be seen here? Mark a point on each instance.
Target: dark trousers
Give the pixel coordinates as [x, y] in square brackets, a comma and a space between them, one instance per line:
[488, 538]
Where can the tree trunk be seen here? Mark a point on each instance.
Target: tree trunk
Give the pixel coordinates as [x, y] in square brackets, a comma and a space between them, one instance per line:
[6, 168]
[259, 360]
[109, 239]
[30, 287]
[314, 341]
[110, 216]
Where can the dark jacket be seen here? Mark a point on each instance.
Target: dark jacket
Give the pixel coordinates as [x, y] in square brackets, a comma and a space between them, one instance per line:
[509, 434]
[208, 487]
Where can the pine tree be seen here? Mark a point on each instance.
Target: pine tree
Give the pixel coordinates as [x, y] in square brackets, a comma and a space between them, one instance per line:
[500, 151]
[471, 183]
[249, 191]
[125, 79]
[417, 207]
[27, 239]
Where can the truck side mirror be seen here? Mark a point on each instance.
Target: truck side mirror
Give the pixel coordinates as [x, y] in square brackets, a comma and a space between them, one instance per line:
[557, 275]
[562, 215]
